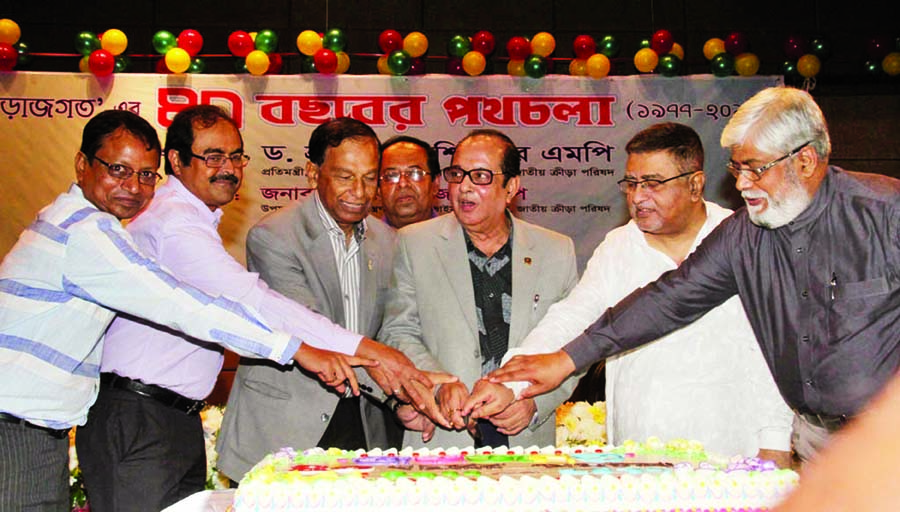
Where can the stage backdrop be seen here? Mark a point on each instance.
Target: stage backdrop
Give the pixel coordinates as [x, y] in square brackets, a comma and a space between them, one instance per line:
[571, 133]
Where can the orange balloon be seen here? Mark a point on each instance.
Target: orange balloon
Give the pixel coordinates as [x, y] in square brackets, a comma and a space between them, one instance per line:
[343, 63]
[645, 60]
[713, 47]
[473, 63]
[383, 65]
[9, 31]
[891, 64]
[309, 42]
[543, 44]
[114, 41]
[84, 64]
[808, 66]
[516, 67]
[677, 51]
[415, 44]
[746, 64]
[578, 67]
[598, 65]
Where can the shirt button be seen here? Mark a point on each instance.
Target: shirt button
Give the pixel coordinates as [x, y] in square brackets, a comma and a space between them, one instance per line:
[325, 417]
[805, 339]
[809, 382]
[491, 295]
[799, 250]
[804, 294]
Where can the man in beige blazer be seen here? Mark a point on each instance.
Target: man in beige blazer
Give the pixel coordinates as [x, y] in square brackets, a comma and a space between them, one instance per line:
[468, 286]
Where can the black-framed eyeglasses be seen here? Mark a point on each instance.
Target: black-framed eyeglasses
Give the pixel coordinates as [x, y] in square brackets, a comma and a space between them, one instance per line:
[216, 160]
[629, 185]
[755, 173]
[456, 174]
[123, 172]
[414, 174]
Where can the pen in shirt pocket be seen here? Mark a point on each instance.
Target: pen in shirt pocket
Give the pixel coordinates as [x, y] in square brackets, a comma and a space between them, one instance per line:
[537, 298]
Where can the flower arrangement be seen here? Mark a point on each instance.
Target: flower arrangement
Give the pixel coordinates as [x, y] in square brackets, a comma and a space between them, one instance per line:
[76, 480]
[211, 416]
[581, 423]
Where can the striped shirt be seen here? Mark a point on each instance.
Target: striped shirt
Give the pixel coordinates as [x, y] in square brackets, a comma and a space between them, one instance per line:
[347, 261]
[60, 287]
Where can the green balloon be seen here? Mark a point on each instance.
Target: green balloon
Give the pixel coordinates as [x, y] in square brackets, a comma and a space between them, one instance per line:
[535, 66]
[197, 66]
[459, 46]
[399, 62]
[820, 47]
[266, 40]
[669, 65]
[608, 46]
[308, 65]
[122, 64]
[240, 65]
[164, 41]
[24, 54]
[334, 40]
[789, 69]
[86, 42]
[722, 64]
[645, 43]
[872, 68]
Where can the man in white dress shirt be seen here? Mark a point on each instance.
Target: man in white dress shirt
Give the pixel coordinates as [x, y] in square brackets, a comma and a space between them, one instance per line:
[688, 384]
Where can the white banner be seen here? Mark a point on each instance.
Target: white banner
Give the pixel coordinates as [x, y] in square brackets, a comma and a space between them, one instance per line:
[571, 133]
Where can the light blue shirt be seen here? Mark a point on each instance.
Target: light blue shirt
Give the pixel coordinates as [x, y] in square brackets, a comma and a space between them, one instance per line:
[60, 287]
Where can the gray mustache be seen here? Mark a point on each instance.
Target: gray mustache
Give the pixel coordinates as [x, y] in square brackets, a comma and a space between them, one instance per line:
[224, 177]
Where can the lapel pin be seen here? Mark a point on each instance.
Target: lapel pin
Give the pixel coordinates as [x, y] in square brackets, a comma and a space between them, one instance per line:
[527, 260]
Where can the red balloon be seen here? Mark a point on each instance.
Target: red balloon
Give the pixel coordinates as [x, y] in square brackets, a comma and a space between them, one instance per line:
[190, 41]
[455, 67]
[390, 40]
[101, 62]
[736, 43]
[878, 47]
[240, 43]
[662, 42]
[584, 46]
[518, 48]
[326, 61]
[483, 41]
[417, 67]
[8, 57]
[161, 66]
[795, 47]
[275, 64]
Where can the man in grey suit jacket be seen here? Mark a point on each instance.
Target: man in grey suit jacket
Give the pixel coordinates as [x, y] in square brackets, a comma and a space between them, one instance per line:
[468, 286]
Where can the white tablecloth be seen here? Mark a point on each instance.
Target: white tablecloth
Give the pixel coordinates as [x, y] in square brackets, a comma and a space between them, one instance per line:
[204, 501]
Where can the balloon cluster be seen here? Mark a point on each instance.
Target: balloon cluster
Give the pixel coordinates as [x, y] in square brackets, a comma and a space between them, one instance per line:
[12, 51]
[469, 55]
[883, 56]
[530, 58]
[402, 55]
[179, 53]
[730, 56]
[587, 61]
[102, 55]
[324, 53]
[660, 52]
[255, 52]
[804, 57]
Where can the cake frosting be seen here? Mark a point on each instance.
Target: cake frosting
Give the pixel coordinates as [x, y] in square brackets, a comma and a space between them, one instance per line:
[634, 477]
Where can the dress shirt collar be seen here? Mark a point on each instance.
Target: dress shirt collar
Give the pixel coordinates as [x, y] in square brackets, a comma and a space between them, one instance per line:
[819, 202]
[359, 231]
[175, 187]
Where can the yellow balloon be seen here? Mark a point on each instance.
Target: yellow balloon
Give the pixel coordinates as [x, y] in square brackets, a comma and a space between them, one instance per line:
[84, 64]
[415, 44]
[891, 64]
[597, 65]
[383, 65]
[578, 67]
[516, 67]
[543, 44]
[343, 63]
[746, 64]
[808, 65]
[309, 42]
[252, 36]
[178, 60]
[677, 51]
[9, 31]
[645, 60]
[114, 41]
[257, 62]
[473, 63]
[713, 47]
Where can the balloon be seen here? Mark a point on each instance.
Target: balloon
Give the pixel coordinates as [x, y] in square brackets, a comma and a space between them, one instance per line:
[390, 40]
[163, 41]
[257, 62]
[484, 42]
[9, 31]
[114, 41]
[197, 66]
[808, 65]
[645, 60]
[101, 62]
[191, 41]
[343, 63]
[578, 67]
[334, 39]
[746, 64]
[308, 64]
[643, 43]
[417, 67]
[382, 65]
[415, 44]
[516, 67]
[399, 62]
[454, 66]
[458, 46]
[872, 68]
[789, 69]
[878, 47]
[795, 46]
[542, 44]
[584, 46]
[669, 65]
[473, 63]
[8, 57]
[722, 64]
[713, 47]
[240, 43]
[276, 62]
[598, 65]
[662, 42]
[891, 64]
[326, 61]
[820, 47]
[24, 53]
[86, 42]
[266, 40]
[518, 48]
[85, 68]
[178, 60]
[122, 64]
[677, 51]
[609, 46]
[535, 66]
[308, 42]
[736, 43]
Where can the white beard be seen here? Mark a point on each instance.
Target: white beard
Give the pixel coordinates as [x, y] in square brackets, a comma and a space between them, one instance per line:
[781, 210]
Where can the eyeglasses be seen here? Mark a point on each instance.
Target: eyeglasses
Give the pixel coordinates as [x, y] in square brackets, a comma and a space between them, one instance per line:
[123, 172]
[628, 185]
[414, 174]
[216, 160]
[456, 174]
[755, 173]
